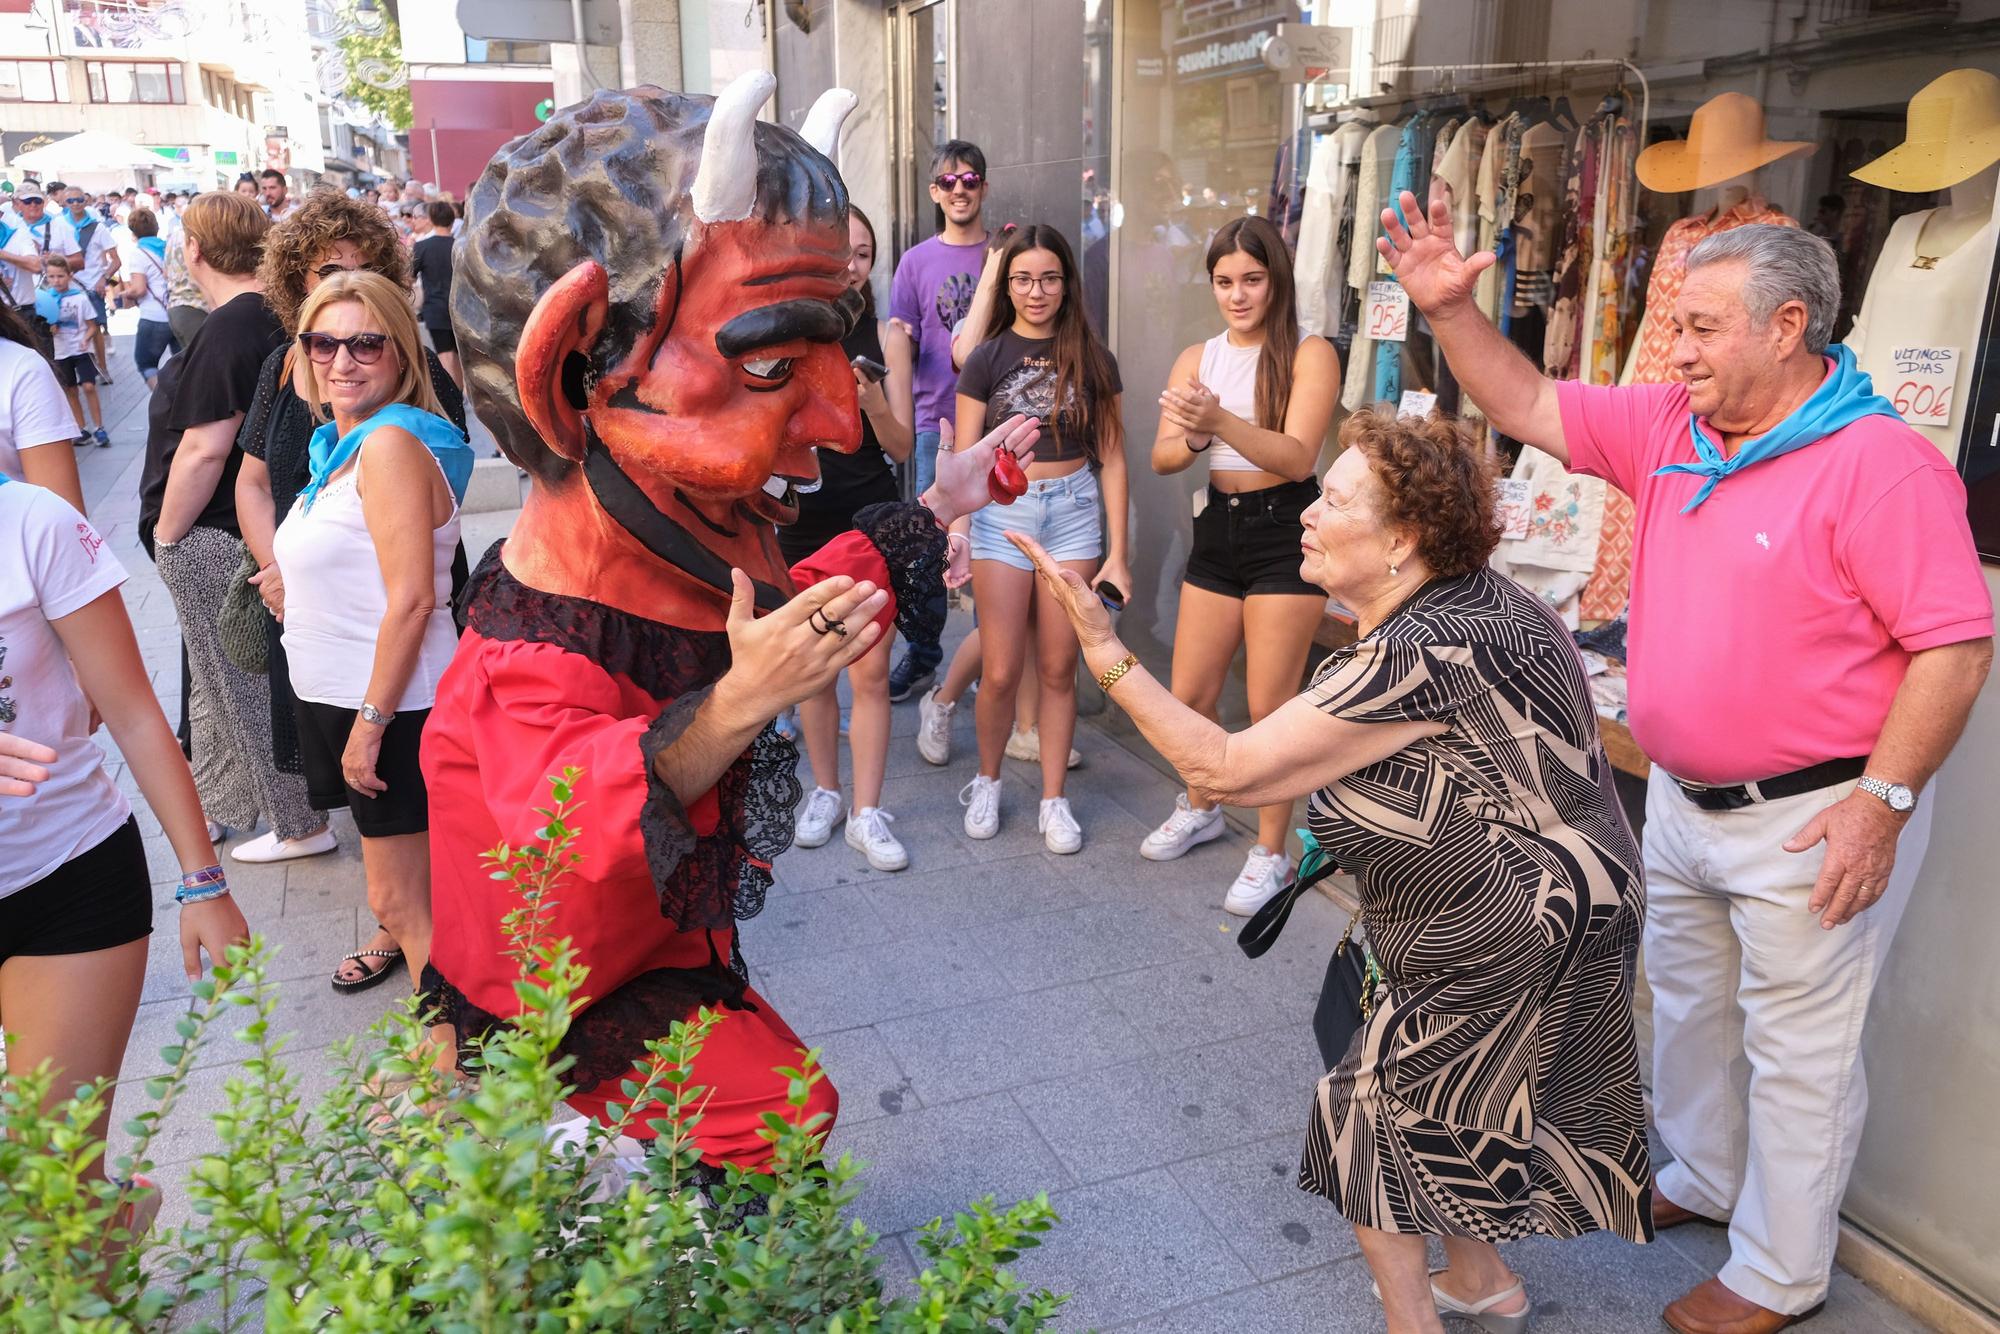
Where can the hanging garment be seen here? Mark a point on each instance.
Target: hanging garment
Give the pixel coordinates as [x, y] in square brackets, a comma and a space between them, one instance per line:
[1458, 167]
[1610, 586]
[1412, 174]
[1610, 318]
[1537, 220]
[1378, 155]
[1559, 351]
[1325, 227]
[1488, 189]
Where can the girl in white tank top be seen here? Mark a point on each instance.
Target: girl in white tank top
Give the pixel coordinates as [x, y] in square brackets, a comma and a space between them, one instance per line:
[1242, 586]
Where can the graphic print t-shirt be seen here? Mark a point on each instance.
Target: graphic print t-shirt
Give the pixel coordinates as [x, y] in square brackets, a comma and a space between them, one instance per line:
[1015, 375]
[52, 562]
[931, 293]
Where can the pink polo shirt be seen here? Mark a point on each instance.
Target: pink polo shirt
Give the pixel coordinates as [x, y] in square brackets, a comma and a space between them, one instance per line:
[1771, 627]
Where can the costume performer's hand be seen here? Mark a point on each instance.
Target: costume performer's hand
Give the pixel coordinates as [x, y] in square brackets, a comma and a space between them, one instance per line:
[792, 654]
[1076, 597]
[961, 474]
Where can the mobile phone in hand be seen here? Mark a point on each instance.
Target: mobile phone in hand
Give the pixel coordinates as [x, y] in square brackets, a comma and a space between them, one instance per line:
[871, 368]
[1111, 595]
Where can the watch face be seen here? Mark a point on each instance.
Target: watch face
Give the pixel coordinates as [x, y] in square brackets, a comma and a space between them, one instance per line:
[1901, 799]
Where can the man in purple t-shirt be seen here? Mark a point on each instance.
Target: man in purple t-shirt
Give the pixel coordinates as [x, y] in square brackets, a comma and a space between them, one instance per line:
[931, 293]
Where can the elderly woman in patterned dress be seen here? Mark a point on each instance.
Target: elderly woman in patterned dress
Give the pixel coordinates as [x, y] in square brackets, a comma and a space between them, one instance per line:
[1452, 763]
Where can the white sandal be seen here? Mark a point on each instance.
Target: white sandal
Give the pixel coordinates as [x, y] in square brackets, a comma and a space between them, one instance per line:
[1481, 1312]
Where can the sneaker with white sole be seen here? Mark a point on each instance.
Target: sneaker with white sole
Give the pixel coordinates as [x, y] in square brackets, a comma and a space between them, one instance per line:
[270, 848]
[1185, 828]
[818, 814]
[1263, 875]
[1060, 831]
[868, 833]
[934, 728]
[981, 799]
[1028, 746]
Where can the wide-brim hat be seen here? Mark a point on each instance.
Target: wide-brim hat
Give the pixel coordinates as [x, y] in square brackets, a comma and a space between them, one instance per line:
[1953, 134]
[1725, 140]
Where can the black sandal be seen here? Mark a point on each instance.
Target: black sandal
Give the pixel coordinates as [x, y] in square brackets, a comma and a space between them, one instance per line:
[390, 958]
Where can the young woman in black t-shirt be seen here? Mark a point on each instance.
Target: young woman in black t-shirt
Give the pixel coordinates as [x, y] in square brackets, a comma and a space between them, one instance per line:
[849, 482]
[1040, 358]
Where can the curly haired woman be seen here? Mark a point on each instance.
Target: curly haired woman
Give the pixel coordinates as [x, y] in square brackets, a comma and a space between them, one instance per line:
[328, 234]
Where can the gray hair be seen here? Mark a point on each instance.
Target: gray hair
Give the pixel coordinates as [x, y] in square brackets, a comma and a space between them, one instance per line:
[1785, 264]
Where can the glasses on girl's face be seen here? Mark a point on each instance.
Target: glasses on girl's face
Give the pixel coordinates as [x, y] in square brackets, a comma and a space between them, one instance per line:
[365, 348]
[951, 180]
[1050, 283]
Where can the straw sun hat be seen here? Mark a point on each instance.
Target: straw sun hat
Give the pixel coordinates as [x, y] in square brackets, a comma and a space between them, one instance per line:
[1954, 133]
[1724, 141]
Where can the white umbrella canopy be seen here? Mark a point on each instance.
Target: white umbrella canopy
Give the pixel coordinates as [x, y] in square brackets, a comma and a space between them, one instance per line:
[90, 151]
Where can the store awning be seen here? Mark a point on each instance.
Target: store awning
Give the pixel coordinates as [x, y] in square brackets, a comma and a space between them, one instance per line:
[90, 151]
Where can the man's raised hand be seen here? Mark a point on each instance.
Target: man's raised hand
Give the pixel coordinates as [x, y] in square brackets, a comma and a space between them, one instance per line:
[1423, 256]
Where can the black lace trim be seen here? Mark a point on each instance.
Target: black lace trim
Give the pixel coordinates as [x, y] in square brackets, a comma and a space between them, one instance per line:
[608, 1037]
[665, 661]
[908, 536]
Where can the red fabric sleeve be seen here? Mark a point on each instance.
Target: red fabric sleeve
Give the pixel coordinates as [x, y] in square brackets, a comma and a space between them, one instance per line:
[547, 709]
[854, 555]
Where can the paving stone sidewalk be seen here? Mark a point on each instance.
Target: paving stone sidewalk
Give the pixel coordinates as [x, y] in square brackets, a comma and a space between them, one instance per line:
[999, 1021]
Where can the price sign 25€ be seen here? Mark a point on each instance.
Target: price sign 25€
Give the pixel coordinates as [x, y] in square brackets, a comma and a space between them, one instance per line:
[1387, 318]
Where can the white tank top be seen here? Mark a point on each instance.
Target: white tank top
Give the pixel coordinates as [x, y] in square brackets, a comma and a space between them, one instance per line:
[335, 600]
[1231, 371]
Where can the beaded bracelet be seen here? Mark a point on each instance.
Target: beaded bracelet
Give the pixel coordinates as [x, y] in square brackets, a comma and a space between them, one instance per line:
[201, 886]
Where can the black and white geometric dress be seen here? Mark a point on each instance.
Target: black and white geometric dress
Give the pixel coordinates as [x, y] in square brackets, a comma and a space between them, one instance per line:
[1494, 1093]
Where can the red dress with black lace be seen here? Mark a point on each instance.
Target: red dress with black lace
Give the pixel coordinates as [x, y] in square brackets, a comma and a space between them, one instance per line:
[541, 683]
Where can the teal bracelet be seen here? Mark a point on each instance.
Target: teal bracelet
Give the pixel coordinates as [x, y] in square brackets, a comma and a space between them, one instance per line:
[185, 896]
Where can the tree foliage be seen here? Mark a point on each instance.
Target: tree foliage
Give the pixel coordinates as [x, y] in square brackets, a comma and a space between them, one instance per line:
[374, 59]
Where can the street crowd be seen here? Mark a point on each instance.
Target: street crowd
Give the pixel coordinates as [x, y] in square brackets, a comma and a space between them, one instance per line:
[1489, 1088]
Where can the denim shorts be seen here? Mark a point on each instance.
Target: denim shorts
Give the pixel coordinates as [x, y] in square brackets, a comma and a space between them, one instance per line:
[1061, 513]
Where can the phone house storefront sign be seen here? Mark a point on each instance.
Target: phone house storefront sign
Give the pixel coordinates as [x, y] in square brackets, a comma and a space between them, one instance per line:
[1223, 55]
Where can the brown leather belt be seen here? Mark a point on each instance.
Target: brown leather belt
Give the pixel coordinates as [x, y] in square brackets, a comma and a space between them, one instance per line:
[1809, 779]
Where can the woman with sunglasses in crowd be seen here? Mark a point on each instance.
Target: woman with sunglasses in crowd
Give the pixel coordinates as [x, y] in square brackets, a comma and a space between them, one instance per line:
[365, 554]
[1254, 402]
[848, 483]
[328, 234]
[1040, 358]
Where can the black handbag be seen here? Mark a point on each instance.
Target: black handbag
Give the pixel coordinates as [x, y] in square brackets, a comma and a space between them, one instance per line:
[1347, 995]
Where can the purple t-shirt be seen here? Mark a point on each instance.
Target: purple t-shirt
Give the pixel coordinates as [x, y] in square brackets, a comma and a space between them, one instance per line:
[931, 292]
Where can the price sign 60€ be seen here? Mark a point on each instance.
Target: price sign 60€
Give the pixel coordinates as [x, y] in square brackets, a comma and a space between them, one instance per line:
[1923, 383]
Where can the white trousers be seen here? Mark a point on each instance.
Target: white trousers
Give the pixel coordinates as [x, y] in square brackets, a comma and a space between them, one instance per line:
[1758, 1087]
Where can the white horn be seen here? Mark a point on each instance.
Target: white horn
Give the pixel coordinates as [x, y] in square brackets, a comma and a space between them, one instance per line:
[725, 188]
[823, 122]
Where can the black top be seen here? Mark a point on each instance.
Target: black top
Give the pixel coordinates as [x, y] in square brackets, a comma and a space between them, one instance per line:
[1015, 375]
[430, 260]
[216, 379]
[278, 428]
[847, 481]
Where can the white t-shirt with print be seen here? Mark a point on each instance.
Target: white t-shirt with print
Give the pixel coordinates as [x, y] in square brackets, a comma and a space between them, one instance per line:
[19, 283]
[71, 331]
[52, 562]
[33, 411]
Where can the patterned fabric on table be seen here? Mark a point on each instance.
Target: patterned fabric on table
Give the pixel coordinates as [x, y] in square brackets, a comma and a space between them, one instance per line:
[1610, 585]
[1494, 1092]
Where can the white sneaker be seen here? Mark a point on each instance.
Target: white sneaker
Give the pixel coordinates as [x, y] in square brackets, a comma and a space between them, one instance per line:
[868, 833]
[818, 815]
[1059, 827]
[1028, 746]
[1184, 829]
[1263, 875]
[270, 848]
[981, 799]
[934, 728]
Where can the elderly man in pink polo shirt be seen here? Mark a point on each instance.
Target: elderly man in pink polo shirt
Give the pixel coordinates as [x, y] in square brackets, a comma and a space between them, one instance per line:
[1809, 629]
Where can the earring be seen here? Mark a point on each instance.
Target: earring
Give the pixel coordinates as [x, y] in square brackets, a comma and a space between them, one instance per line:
[1393, 571]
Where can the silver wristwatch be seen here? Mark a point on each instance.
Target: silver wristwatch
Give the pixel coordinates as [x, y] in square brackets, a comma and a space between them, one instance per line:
[371, 714]
[1895, 796]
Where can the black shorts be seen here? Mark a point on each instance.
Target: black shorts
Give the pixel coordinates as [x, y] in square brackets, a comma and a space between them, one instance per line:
[1248, 543]
[97, 900]
[404, 808]
[73, 371]
[442, 338]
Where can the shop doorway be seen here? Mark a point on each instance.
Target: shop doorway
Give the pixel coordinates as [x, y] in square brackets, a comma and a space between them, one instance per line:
[926, 111]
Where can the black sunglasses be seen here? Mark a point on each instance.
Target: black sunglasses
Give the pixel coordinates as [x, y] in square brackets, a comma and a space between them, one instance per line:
[366, 349]
[971, 180]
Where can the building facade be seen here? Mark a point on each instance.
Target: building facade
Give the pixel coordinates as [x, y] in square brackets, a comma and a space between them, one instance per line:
[210, 87]
[468, 95]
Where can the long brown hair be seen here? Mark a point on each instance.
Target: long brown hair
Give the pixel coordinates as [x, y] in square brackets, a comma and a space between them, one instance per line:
[867, 288]
[1257, 238]
[1081, 359]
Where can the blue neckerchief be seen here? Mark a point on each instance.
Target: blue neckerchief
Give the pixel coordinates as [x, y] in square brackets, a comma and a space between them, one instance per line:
[332, 451]
[153, 246]
[1314, 855]
[1844, 397]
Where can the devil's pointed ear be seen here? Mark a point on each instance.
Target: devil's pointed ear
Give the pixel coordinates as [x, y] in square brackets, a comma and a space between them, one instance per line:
[554, 348]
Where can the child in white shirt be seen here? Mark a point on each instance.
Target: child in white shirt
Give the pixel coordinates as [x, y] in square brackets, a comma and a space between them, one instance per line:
[74, 317]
